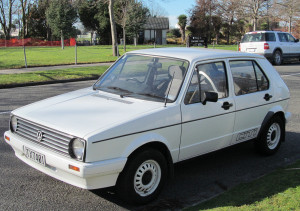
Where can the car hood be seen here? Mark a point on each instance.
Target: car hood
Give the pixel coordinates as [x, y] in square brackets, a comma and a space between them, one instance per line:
[84, 111]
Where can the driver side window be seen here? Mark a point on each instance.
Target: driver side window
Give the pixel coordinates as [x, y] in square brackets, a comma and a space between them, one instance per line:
[210, 77]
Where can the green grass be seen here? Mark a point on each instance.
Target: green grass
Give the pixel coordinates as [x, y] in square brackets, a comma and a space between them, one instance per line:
[43, 56]
[52, 75]
[279, 190]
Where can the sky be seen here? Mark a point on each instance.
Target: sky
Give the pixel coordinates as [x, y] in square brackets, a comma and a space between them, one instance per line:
[174, 8]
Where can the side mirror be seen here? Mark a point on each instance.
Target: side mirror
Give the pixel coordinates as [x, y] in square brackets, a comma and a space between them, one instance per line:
[210, 97]
[297, 40]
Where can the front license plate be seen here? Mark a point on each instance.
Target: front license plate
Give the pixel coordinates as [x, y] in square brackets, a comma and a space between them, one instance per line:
[35, 156]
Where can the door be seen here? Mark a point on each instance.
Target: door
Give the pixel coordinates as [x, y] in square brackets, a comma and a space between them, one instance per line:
[206, 126]
[252, 96]
[284, 44]
[294, 46]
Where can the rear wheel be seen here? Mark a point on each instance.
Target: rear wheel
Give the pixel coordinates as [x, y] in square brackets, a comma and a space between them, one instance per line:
[272, 135]
[277, 58]
[143, 177]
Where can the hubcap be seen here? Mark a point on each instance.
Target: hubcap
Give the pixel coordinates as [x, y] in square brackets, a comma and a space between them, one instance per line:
[147, 178]
[273, 135]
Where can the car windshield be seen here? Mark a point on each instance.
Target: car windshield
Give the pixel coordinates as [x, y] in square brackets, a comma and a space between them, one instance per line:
[259, 37]
[145, 77]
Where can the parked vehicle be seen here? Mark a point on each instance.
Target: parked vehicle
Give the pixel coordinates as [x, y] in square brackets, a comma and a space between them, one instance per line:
[274, 45]
[149, 110]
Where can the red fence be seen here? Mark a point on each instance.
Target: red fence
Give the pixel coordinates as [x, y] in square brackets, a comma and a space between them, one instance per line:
[35, 42]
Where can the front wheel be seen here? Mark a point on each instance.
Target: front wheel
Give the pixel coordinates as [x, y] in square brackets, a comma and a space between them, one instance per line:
[143, 177]
[272, 135]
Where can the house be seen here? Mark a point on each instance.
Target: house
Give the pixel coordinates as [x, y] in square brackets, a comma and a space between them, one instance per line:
[156, 29]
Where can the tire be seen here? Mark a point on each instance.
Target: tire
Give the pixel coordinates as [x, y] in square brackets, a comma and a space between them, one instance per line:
[277, 58]
[271, 137]
[143, 177]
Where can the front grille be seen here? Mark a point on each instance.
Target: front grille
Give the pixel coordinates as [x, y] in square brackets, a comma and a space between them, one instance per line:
[51, 139]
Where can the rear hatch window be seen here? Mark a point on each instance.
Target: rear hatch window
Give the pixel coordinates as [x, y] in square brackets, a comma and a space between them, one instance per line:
[259, 37]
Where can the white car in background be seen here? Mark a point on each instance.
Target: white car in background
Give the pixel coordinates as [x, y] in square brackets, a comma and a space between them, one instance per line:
[274, 45]
[149, 110]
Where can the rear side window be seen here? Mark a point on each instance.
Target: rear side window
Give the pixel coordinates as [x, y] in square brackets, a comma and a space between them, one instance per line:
[282, 37]
[259, 37]
[248, 77]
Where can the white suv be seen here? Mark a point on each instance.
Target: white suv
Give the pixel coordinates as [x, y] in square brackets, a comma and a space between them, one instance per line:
[274, 45]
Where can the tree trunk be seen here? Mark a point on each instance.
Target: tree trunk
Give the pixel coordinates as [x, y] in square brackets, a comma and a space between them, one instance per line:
[124, 39]
[290, 24]
[113, 27]
[135, 40]
[62, 40]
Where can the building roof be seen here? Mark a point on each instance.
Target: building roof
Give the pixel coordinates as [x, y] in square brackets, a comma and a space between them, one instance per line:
[157, 23]
[192, 54]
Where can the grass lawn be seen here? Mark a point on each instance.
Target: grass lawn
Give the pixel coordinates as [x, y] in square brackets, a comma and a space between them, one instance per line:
[279, 190]
[13, 57]
[51, 75]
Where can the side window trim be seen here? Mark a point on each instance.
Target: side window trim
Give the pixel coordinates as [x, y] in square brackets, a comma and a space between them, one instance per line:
[225, 65]
[253, 61]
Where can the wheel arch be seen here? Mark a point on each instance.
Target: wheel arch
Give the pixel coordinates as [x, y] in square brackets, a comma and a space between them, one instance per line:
[275, 111]
[153, 141]
[278, 49]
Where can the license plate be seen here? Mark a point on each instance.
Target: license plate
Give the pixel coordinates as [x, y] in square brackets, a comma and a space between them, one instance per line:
[34, 156]
[251, 49]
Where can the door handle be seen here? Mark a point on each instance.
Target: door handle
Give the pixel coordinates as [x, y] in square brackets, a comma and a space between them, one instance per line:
[267, 97]
[226, 105]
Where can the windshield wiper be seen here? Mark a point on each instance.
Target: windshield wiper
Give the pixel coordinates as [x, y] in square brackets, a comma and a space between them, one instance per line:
[151, 95]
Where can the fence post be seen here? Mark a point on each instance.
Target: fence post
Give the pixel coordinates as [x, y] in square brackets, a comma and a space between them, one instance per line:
[75, 53]
[25, 56]
[118, 54]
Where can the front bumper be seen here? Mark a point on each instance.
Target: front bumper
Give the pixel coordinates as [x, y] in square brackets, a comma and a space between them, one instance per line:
[91, 175]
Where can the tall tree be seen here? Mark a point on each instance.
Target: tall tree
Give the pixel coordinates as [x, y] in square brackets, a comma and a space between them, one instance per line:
[113, 27]
[182, 21]
[289, 10]
[137, 17]
[25, 7]
[6, 12]
[122, 16]
[61, 15]
[254, 9]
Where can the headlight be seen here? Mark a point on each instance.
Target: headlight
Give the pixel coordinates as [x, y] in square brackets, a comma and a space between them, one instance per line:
[13, 123]
[77, 148]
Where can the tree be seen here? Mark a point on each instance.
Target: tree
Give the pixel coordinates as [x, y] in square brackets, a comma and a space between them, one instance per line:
[61, 15]
[122, 16]
[6, 12]
[25, 7]
[182, 21]
[95, 17]
[137, 17]
[254, 9]
[290, 9]
[113, 27]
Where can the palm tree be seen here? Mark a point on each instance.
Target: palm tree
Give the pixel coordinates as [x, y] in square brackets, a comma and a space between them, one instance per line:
[182, 20]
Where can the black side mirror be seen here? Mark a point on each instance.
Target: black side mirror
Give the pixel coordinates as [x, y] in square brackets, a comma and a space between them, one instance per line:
[296, 40]
[210, 97]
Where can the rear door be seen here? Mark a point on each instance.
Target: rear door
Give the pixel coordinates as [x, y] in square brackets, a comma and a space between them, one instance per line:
[206, 127]
[284, 44]
[252, 96]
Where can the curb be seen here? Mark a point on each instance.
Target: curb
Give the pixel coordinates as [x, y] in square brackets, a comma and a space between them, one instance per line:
[7, 86]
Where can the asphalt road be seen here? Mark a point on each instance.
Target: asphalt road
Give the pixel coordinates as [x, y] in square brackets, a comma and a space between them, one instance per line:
[24, 188]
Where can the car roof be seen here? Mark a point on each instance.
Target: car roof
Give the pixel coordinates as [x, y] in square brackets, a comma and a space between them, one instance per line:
[191, 54]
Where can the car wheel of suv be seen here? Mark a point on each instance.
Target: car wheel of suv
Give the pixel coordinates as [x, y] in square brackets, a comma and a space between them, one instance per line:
[143, 177]
[272, 135]
[277, 58]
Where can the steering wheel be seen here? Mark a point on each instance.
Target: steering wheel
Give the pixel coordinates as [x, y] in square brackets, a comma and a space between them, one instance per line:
[206, 78]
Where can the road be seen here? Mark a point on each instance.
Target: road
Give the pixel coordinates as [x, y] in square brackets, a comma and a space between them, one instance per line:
[24, 188]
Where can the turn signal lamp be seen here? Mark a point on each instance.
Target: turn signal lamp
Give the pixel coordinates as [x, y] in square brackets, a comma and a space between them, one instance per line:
[7, 138]
[74, 168]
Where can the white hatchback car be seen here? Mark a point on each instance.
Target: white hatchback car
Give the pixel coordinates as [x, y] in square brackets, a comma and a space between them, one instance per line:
[274, 45]
[149, 110]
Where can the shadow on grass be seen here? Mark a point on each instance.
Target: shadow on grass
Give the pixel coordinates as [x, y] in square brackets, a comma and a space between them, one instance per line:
[206, 176]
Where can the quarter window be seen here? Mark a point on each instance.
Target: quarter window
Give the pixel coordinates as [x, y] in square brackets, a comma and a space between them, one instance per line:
[210, 77]
[248, 77]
